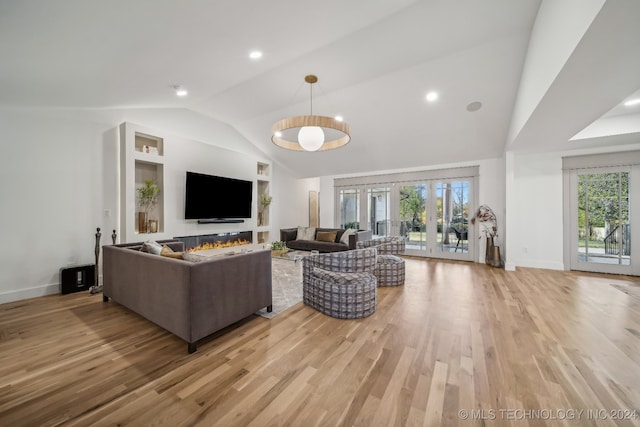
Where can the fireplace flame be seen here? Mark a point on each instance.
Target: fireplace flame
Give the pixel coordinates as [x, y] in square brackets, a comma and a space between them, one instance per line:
[218, 245]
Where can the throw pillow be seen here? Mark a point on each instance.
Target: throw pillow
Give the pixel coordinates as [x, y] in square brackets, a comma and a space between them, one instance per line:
[306, 233]
[151, 247]
[193, 257]
[326, 236]
[168, 252]
[345, 236]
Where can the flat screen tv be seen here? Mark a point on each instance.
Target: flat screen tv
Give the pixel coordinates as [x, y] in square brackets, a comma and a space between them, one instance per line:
[216, 197]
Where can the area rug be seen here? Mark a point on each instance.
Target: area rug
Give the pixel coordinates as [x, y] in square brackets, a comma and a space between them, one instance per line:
[286, 286]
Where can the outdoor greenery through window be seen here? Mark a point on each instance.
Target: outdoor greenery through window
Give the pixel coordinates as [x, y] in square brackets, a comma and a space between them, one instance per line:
[603, 218]
[453, 216]
[428, 209]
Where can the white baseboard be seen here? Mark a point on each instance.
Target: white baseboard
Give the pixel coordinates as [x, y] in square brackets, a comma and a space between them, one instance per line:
[546, 265]
[37, 291]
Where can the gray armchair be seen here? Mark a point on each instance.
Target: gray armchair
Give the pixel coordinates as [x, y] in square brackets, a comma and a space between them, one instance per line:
[390, 269]
[341, 284]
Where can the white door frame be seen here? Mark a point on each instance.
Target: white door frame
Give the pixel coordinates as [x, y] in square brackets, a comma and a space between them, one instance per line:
[611, 163]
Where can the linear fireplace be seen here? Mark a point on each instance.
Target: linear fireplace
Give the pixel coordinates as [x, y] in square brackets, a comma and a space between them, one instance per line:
[192, 241]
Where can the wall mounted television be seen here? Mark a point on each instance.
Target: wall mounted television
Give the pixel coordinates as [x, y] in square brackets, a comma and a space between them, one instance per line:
[210, 198]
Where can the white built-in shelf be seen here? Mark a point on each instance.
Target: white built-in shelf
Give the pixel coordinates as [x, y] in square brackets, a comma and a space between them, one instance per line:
[263, 170]
[262, 237]
[263, 183]
[149, 144]
[142, 159]
[148, 157]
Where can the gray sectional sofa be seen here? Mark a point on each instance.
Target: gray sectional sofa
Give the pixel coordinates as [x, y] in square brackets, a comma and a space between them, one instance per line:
[290, 237]
[189, 299]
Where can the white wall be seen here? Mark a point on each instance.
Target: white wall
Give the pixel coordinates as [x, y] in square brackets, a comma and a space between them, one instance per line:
[535, 207]
[57, 183]
[290, 207]
[51, 181]
[558, 28]
[534, 230]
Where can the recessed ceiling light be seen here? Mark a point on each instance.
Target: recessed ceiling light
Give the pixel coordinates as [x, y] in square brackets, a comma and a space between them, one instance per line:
[256, 54]
[632, 102]
[180, 91]
[339, 118]
[432, 96]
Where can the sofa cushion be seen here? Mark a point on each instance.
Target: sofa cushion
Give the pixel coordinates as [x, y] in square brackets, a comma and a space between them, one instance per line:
[345, 236]
[326, 236]
[151, 247]
[306, 233]
[287, 234]
[196, 257]
[315, 245]
[168, 252]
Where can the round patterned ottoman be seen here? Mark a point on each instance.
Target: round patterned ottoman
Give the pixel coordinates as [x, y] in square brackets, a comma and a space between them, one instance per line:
[389, 270]
[342, 295]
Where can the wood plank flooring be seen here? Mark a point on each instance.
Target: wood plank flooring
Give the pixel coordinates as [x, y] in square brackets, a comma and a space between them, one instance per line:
[459, 344]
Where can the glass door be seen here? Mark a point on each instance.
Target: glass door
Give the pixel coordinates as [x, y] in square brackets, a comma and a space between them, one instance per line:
[433, 218]
[349, 214]
[412, 216]
[452, 213]
[379, 214]
[428, 209]
[601, 218]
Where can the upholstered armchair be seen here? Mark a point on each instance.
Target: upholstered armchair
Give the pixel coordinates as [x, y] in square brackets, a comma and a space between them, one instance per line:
[341, 284]
[390, 269]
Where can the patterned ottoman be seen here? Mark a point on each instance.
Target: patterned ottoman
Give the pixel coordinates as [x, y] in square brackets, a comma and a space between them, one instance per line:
[342, 295]
[390, 270]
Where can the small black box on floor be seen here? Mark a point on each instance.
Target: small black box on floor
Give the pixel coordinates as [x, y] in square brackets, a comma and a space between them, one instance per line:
[77, 278]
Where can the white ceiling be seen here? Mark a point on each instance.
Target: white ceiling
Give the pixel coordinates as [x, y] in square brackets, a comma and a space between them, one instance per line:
[375, 61]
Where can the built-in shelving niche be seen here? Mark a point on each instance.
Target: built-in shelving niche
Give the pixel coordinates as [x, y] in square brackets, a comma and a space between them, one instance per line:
[154, 171]
[263, 182]
[142, 157]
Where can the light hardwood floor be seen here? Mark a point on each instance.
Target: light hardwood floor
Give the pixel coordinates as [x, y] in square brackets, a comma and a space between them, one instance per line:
[509, 348]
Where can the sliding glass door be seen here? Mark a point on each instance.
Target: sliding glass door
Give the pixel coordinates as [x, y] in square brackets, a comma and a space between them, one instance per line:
[430, 214]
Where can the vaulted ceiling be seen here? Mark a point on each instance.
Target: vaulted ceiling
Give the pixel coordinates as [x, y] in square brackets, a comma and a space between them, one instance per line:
[375, 61]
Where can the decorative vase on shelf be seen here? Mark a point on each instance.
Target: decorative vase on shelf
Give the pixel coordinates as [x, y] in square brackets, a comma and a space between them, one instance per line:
[153, 226]
[142, 222]
[259, 219]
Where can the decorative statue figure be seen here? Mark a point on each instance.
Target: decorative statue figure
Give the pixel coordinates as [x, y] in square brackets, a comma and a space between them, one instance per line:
[487, 219]
[96, 287]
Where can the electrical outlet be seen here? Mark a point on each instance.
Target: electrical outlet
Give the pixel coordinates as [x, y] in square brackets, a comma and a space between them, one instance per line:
[107, 213]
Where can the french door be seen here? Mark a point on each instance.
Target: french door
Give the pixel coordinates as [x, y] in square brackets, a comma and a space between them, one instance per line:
[433, 217]
[602, 227]
[429, 209]
[377, 213]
